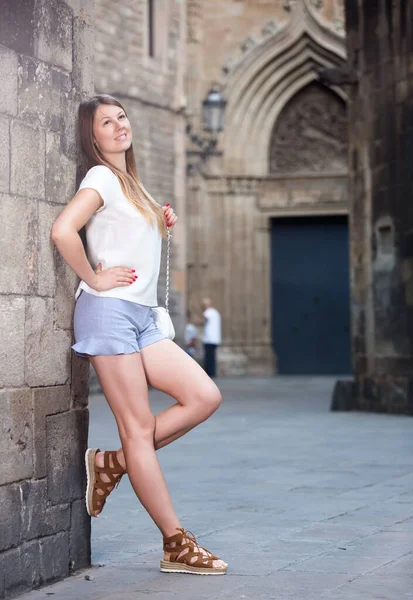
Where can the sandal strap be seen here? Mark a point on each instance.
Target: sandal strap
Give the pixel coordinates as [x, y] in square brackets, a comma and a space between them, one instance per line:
[106, 487]
[117, 467]
[191, 548]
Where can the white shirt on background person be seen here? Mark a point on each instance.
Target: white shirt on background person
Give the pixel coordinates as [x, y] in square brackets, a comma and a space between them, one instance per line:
[212, 326]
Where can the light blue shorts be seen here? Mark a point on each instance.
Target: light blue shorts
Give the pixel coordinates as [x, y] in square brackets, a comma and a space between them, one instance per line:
[106, 326]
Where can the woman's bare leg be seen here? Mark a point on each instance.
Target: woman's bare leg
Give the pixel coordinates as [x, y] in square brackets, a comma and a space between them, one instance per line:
[169, 369]
[124, 384]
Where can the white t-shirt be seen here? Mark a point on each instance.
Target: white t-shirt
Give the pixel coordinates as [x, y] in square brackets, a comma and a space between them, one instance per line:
[119, 236]
[212, 326]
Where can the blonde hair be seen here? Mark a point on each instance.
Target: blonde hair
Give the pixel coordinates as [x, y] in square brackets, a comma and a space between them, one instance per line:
[130, 183]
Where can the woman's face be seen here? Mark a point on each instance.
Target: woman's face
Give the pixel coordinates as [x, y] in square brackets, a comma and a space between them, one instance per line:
[111, 129]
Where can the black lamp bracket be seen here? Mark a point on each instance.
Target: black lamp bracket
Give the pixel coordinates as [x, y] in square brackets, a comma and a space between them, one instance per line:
[207, 148]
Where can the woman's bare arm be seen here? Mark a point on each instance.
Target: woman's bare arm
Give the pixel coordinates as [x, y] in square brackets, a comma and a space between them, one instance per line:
[65, 235]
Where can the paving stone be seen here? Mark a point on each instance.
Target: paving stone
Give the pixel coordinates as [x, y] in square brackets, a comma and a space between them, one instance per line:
[384, 544]
[247, 502]
[371, 587]
[404, 525]
[402, 566]
[339, 561]
[285, 584]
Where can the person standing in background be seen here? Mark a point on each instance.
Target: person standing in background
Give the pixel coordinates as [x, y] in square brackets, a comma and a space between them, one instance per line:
[211, 336]
[190, 336]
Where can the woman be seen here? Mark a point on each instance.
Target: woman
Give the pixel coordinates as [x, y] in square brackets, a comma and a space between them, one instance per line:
[114, 328]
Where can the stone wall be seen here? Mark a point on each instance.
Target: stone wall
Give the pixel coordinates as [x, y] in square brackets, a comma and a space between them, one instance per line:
[45, 70]
[380, 48]
[152, 91]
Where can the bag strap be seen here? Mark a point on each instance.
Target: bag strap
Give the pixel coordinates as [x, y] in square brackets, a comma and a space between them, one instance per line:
[168, 256]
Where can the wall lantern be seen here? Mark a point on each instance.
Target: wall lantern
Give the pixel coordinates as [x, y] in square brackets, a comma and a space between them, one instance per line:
[214, 108]
[213, 115]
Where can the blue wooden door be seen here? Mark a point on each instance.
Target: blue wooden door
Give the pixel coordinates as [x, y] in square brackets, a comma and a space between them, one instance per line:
[310, 295]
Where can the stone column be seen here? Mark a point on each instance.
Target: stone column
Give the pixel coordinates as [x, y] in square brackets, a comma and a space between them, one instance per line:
[228, 260]
[380, 45]
[46, 52]
[244, 256]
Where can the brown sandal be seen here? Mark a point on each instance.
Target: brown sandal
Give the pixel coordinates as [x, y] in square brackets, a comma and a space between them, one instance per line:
[95, 501]
[187, 556]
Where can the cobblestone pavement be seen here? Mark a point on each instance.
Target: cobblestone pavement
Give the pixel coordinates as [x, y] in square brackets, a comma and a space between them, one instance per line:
[303, 503]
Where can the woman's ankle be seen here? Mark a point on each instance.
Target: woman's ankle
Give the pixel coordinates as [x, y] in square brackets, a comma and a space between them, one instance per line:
[121, 458]
[168, 531]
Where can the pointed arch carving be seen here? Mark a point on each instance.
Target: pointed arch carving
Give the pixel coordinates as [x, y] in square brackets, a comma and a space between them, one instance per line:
[311, 134]
[261, 85]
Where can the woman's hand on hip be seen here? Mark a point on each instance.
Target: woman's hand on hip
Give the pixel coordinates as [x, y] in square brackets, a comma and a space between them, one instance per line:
[170, 216]
[107, 279]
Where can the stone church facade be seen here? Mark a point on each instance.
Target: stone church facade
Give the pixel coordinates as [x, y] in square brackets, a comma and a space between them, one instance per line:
[283, 154]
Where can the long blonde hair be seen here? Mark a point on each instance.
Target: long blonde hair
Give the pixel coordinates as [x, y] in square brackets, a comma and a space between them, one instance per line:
[130, 183]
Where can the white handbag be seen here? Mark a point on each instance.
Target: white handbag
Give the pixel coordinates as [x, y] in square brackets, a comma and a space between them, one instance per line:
[160, 314]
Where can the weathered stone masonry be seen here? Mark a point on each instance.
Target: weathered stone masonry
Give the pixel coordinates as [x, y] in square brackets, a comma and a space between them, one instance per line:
[380, 53]
[46, 51]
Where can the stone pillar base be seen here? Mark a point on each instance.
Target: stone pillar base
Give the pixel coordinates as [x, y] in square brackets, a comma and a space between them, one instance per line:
[253, 361]
[375, 394]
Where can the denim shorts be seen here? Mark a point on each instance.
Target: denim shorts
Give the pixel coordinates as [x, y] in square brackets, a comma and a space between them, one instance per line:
[107, 326]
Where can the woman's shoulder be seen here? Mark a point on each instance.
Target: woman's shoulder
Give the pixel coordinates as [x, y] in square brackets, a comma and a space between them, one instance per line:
[100, 171]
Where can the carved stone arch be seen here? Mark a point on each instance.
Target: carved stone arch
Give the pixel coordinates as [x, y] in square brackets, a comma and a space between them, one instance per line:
[266, 80]
[310, 136]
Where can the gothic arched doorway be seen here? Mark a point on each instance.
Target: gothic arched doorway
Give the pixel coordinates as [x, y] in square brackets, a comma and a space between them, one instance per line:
[309, 251]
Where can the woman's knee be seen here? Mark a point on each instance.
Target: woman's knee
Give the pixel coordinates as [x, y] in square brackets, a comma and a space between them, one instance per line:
[136, 429]
[209, 399]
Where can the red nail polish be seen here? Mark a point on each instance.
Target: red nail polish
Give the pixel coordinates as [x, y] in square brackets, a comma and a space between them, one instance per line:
[133, 271]
[168, 205]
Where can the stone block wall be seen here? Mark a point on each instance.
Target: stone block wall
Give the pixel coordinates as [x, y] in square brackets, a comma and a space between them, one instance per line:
[152, 90]
[380, 50]
[45, 70]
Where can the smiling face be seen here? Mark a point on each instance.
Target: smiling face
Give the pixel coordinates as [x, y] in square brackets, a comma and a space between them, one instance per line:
[111, 129]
